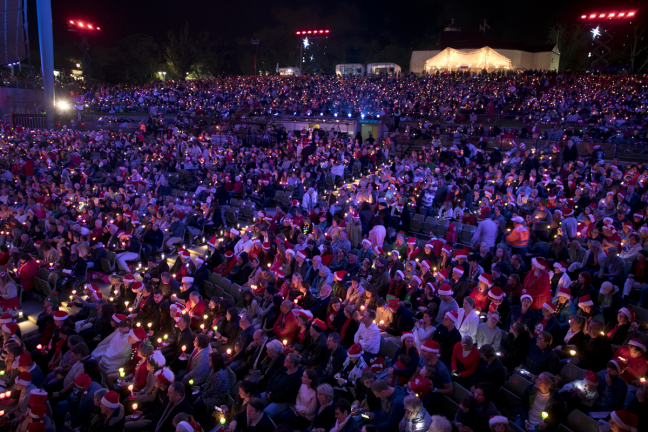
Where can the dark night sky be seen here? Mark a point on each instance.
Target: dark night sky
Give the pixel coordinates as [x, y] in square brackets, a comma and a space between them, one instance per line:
[398, 22]
[523, 21]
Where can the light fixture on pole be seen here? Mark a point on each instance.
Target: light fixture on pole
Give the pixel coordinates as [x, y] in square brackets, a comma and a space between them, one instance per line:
[255, 42]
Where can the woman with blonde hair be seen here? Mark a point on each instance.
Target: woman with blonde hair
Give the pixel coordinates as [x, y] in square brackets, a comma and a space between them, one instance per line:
[9, 300]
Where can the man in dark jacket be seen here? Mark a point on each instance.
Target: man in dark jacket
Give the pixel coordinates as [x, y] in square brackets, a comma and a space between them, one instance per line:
[490, 368]
[314, 354]
[541, 356]
[596, 350]
[402, 320]
[333, 359]
[243, 338]
[282, 389]
[320, 306]
[176, 403]
[447, 336]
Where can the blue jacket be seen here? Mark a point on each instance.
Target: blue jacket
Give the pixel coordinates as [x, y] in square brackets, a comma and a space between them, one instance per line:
[610, 398]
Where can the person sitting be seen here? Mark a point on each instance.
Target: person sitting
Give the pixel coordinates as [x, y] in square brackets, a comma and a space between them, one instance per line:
[283, 387]
[302, 413]
[214, 391]
[581, 394]
[392, 406]
[257, 419]
[541, 397]
[490, 368]
[408, 349]
[541, 357]
[465, 361]
[333, 359]
[596, 351]
[416, 417]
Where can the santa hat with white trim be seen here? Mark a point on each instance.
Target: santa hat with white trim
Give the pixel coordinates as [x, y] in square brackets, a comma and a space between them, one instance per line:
[585, 301]
[417, 280]
[486, 278]
[445, 289]
[523, 296]
[497, 419]
[591, 378]
[111, 400]
[452, 315]
[431, 346]
[400, 273]
[496, 293]
[459, 270]
[550, 307]
[25, 378]
[626, 420]
[638, 343]
[627, 312]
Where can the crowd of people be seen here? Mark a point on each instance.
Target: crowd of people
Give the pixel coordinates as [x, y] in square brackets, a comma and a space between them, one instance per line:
[535, 262]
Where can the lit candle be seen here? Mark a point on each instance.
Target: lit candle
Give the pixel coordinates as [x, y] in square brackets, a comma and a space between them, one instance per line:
[191, 382]
[572, 352]
[166, 337]
[382, 321]
[205, 317]
[222, 420]
[149, 325]
[126, 303]
[134, 407]
[545, 415]
[39, 346]
[138, 324]
[285, 342]
[229, 351]
[73, 292]
[159, 340]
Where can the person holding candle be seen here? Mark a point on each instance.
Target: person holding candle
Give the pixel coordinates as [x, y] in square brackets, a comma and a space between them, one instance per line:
[214, 391]
[9, 300]
[78, 405]
[541, 397]
[16, 408]
[581, 394]
[182, 336]
[27, 269]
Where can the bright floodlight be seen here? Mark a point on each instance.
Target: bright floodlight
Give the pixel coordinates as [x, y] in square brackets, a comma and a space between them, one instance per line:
[64, 105]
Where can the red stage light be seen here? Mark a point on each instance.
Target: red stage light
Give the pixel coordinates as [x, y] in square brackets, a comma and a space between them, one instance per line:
[310, 31]
[326, 31]
[610, 15]
[98, 28]
[621, 14]
[593, 16]
[89, 26]
[583, 16]
[80, 24]
[298, 32]
[321, 31]
[631, 13]
[71, 22]
[601, 15]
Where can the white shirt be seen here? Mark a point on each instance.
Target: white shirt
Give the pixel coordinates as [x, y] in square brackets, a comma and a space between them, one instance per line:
[368, 338]
[468, 326]
[539, 405]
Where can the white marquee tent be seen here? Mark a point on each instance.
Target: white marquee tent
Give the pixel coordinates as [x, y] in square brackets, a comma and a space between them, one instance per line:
[452, 59]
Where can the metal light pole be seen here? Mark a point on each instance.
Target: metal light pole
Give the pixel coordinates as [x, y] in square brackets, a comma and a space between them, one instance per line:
[45, 39]
[255, 42]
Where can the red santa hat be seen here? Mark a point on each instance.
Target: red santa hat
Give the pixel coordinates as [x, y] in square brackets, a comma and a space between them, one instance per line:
[523, 296]
[129, 278]
[138, 333]
[400, 273]
[92, 287]
[626, 420]
[407, 334]
[82, 381]
[24, 378]
[627, 312]
[6, 318]
[212, 242]
[302, 255]
[591, 378]
[137, 286]
[184, 254]
[377, 364]
[564, 292]
[431, 346]
[459, 270]
[585, 301]
[10, 328]
[119, 317]
[446, 248]
[306, 314]
[339, 275]
[165, 376]
[445, 289]
[417, 280]
[460, 253]
[38, 412]
[496, 293]
[452, 315]
[355, 350]
[540, 262]
[550, 307]
[111, 400]
[60, 315]
[568, 212]
[497, 419]
[235, 231]
[393, 303]
[411, 241]
[638, 343]
[486, 278]
[37, 397]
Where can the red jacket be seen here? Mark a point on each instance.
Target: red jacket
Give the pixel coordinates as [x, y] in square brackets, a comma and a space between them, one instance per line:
[537, 287]
[26, 273]
[288, 330]
[469, 363]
